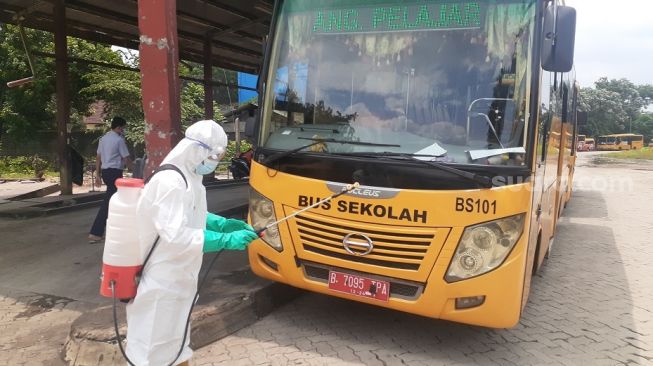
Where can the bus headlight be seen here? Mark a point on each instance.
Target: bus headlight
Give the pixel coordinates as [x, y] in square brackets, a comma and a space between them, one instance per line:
[484, 247]
[261, 212]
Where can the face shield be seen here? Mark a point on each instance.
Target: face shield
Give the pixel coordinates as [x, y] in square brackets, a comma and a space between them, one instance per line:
[201, 149]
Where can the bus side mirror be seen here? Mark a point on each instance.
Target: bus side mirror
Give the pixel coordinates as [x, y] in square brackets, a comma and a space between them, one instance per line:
[559, 36]
[581, 118]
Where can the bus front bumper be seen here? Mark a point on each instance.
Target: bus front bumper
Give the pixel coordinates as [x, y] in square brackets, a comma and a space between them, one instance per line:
[501, 288]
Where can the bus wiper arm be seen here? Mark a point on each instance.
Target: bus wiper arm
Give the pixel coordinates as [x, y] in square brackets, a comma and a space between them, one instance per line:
[318, 140]
[480, 179]
[283, 154]
[389, 154]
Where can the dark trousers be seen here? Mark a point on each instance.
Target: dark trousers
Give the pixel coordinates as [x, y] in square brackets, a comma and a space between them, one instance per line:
[109, 176]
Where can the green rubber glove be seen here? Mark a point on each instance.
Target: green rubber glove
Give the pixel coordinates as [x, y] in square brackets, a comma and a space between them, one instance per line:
[237, 240]
[215, 222]
[222, 225]
[232, 225]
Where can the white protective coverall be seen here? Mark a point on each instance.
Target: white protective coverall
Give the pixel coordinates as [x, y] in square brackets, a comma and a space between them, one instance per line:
[157, 316]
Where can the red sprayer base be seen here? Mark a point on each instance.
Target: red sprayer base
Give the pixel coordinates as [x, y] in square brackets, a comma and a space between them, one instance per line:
[124, 278]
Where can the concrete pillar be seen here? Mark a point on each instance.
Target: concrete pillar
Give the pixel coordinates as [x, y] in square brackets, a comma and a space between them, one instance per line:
[159, 64]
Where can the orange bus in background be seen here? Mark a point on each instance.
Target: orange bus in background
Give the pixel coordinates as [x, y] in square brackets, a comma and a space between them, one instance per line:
[621, 141]
[585, 143]
[580, 141]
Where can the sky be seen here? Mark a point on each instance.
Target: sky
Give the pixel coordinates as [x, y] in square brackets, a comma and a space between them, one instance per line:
[614, 38]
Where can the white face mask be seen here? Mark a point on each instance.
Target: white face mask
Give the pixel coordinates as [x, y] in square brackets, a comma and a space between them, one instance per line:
[206, 167]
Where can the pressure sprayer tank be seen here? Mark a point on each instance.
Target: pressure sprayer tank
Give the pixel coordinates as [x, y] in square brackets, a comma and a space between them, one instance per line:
[123, 256]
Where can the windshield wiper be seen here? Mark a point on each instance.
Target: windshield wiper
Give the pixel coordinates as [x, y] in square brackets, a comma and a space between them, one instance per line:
[346, 142]
[317, 141]
[480, 179]
[277, 156]
[389, 153]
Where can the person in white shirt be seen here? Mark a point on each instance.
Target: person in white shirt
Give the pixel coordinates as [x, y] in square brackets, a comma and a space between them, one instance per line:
[112, 156]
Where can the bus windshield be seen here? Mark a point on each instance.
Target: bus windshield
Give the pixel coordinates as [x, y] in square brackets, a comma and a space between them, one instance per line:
[448, 79]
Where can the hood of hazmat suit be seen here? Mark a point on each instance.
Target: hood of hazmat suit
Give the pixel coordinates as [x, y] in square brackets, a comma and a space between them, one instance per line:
[156, 318]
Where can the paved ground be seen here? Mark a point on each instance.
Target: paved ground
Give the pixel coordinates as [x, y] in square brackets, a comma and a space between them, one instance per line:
[34, 327]
[592, 303]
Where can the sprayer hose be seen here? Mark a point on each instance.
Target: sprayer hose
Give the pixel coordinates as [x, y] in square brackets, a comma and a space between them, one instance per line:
[190, 312]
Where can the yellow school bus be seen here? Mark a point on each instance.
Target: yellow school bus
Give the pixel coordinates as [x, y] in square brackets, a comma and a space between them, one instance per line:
[456, 118]
[620, 141]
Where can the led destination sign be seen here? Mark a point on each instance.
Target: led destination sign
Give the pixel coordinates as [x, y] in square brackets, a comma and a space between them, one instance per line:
[412, 17]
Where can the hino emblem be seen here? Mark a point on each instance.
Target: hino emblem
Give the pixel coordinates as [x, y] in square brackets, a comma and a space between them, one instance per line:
[366, 244]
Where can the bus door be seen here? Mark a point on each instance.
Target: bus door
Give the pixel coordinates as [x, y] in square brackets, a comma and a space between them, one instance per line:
[564, 151]
[546, 169]
[574, 153]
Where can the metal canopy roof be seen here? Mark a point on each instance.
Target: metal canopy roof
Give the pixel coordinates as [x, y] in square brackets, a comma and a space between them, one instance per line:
[236, 28]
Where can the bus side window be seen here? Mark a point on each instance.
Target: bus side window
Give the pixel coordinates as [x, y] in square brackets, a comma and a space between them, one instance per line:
[547, 109]
[565, 103]
[574, 116]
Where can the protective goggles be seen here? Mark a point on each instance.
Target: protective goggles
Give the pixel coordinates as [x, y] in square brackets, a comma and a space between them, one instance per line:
[215, 157]
[218, 157]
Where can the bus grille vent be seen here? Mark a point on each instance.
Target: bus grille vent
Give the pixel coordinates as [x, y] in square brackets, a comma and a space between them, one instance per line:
[400, 249]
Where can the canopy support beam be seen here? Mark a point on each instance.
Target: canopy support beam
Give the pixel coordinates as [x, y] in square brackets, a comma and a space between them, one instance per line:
[63, 97]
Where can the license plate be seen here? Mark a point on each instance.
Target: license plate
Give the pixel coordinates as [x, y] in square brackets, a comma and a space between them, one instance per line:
[359, 286]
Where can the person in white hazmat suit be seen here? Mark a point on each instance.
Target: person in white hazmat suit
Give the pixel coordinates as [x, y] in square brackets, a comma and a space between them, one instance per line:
[177, 213]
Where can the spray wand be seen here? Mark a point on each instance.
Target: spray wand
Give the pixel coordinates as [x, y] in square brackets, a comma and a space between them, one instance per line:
[346, 189]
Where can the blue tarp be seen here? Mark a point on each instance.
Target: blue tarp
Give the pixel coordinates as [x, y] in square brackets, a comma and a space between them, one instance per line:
[247, 80]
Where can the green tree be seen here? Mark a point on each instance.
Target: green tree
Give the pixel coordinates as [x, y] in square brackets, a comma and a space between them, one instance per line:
[222, 95]
[613, 106]
[120, 90]
[644, 125]
[631, 101]
[646, 92]
[32, 107]
[605, 112]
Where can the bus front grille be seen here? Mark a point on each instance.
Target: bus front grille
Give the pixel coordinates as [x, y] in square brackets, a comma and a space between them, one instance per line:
[393, 246]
